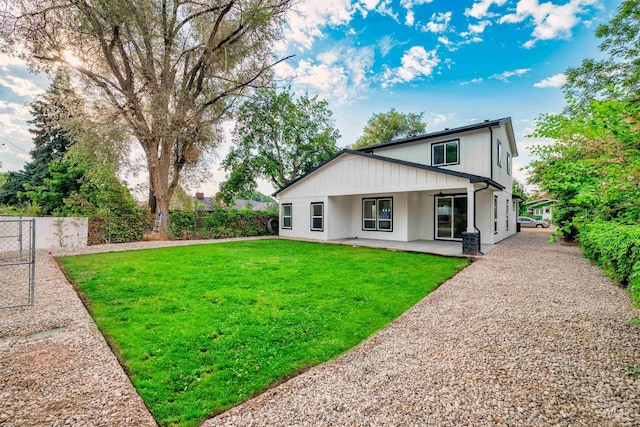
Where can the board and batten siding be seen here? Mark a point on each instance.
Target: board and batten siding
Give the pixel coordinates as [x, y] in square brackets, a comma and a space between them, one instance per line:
[474, 152]
[353, 174]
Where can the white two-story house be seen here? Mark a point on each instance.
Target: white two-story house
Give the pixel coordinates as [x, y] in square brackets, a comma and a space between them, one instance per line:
[449, 185]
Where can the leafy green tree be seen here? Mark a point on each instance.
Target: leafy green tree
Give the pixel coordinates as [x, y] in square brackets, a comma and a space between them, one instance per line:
[518, 189]
[51, 139]
[384, 127]
[593, 169]
[277, 138]
[171, 70]
[621, 67]
[80, 186]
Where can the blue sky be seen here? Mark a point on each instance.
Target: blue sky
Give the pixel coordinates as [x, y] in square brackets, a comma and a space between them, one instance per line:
[457, 61]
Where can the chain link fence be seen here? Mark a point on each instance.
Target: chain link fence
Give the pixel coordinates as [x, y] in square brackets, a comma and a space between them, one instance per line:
[17, 262]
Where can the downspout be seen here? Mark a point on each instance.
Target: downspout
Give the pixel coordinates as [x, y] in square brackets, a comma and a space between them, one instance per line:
[475, 215]
[491, 149]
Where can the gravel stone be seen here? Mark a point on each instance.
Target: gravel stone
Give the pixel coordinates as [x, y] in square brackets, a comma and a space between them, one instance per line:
[529, 335]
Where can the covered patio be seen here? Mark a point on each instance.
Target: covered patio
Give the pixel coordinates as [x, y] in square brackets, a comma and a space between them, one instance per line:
[437, 247]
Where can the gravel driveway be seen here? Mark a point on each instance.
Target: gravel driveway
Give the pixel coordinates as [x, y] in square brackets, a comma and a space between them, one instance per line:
[531, 334]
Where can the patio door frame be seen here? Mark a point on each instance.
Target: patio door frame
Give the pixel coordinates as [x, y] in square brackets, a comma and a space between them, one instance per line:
[435, 221]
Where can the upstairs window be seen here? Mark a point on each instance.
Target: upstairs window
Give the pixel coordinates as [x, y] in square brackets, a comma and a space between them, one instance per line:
[508, 164]
[445, 153]
[286, 216]
[499, 153]
[317, 216]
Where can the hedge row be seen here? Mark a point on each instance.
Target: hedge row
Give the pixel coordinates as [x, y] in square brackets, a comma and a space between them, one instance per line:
[616, 249]
[119, 229]
[219, 224]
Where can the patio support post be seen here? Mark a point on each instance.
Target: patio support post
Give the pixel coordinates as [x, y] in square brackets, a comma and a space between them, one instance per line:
[471, 238]
[471, 209]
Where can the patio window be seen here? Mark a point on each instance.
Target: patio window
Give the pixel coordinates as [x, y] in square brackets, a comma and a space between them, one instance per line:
[377, 214]
[495, 214]
[499, 153]
[317, 216]
[287, 216]
[445, 153]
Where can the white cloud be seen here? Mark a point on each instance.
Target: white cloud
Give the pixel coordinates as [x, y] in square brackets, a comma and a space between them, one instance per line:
[480, 9]
[554, 81]
[438, 23]
[479, 27]
[441, 118]
[6, 61]
[506, 75]
[409, 4]
[340, 74]
[20, 86]
[384, 8]
[386, 44]
[306, 21]
[416, 63]
[550, 20]
[410, 20]
[472, 81]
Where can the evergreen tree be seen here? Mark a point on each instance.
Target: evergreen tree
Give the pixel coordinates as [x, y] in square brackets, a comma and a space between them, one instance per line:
[51, 140]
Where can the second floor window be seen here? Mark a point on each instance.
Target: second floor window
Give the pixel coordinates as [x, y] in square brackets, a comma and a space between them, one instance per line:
[499, 153]
[508, 163]
[445, 153]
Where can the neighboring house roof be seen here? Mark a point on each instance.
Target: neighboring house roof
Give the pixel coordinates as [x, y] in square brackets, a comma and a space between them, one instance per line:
[539, 202]
[515, 197]
[486, 124]
[470, 177]
[205, 204]
[255, 205]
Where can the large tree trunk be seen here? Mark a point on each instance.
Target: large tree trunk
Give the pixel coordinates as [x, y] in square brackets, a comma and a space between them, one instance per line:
[153, 205]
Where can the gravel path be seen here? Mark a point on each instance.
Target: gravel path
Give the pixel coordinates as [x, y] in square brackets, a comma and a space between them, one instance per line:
[55, 367]
[531, 334]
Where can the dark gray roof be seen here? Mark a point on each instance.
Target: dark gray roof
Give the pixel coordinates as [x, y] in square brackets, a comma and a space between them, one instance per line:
[446, 132]
[470, 177]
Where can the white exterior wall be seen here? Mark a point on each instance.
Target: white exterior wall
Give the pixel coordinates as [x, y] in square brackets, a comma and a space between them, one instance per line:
[301, 218]
[474, 152]
[500, 174]
[484, 214]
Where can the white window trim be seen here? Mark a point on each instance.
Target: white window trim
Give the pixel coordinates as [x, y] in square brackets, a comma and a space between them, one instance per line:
[509, 164]
[495, 214]
[507, 217]
[321, 204]
[290, 216]
[499, 154]
[457, 162]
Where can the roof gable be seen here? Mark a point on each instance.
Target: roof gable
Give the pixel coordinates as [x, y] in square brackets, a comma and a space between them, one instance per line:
[506, 121]
[470, 177]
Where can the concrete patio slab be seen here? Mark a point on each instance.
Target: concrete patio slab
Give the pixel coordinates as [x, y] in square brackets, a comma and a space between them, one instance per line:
[437, 247]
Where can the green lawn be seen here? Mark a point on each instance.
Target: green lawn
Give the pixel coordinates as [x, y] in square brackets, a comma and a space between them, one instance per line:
[202, 328]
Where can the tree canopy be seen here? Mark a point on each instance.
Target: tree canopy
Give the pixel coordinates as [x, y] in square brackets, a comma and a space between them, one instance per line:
[593, 168]
[384, 127]
[278, 138]
[170, 70]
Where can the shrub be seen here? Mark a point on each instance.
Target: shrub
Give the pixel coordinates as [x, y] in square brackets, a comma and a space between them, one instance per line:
[616, 249]
[221, 223]
[123, 229]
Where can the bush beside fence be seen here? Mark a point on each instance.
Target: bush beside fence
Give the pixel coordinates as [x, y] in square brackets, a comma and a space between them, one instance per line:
[219, 224]
[119, 229]
[616, 249]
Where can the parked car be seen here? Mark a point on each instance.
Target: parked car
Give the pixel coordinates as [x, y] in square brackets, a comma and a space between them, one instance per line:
[525, 221]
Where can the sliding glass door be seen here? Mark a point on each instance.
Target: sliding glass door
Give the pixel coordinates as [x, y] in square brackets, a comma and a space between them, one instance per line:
[451, 217]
